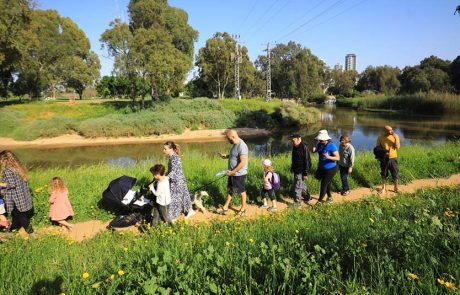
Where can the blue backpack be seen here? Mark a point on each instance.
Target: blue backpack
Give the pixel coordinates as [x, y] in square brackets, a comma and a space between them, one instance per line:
[276, 181]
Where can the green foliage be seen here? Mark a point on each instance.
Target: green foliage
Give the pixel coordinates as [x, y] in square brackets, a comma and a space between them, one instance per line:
[383, 79]
[352, 248]
[343, 82]
[295, 71]
[421, 103]
[294, 114]
[216, 64]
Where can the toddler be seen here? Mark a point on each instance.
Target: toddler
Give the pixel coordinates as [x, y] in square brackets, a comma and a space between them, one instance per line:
[268, 186]
[163, 194]
[60, 207]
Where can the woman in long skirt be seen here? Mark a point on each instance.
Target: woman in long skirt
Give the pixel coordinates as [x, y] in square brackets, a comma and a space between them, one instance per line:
[180, 196]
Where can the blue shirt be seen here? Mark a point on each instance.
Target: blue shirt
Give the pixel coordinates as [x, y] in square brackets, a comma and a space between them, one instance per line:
[325, 163]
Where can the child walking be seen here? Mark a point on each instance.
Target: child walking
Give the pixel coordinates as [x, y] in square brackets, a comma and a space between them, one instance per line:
[162, 193]
[268, 186]
[60, 207]
[347, 159]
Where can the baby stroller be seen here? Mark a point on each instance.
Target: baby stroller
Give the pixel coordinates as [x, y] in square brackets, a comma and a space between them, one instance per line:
[131, 206]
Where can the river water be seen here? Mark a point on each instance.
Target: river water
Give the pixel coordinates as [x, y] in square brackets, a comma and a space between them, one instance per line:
[363, 127]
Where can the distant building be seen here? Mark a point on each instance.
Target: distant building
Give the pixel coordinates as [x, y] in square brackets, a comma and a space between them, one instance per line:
[350, 62]
[338, 67]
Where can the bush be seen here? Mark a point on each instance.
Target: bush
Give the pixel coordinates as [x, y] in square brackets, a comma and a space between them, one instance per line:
[293, 114]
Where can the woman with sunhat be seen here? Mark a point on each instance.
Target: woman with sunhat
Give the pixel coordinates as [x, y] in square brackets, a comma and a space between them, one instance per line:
[327, 166]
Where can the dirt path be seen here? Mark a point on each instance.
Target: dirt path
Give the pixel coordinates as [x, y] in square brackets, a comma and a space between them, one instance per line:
[88, 229]
[70, 140]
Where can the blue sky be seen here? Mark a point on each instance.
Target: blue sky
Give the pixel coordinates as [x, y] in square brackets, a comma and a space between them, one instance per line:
[379, 32]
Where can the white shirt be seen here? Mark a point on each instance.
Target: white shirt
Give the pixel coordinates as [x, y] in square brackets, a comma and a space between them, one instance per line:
[162, 192]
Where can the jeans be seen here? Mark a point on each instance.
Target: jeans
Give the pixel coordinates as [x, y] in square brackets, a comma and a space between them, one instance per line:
[344, 178]
[160, 213]
[21, 219]
[300, 188]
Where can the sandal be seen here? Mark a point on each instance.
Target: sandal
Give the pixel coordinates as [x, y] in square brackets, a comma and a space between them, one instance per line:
[222, 211]
[241, 212]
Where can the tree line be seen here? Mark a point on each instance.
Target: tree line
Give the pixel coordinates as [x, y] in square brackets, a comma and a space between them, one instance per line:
[154, 50]
[41, 51]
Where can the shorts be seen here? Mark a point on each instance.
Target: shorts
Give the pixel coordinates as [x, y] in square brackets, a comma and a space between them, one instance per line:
[270, 192]
[389, 165]
[236, 184]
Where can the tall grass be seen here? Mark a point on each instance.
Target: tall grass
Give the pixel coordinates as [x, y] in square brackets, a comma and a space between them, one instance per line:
[422, 103]
[376, 246]
[87, 183]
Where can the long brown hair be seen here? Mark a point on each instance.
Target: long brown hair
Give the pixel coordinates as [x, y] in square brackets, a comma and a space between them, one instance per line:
[10, 161]
[172, 145]
[56, 185]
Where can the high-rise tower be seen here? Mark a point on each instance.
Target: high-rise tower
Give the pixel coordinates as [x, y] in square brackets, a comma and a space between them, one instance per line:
[350, 62]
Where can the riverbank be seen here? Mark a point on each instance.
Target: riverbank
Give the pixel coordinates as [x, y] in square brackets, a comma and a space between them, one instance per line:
[73, 140]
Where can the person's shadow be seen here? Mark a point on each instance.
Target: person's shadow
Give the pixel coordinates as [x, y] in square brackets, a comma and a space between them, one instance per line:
[47, 287]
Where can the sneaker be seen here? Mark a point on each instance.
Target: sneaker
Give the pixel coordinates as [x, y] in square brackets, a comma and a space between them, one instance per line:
[381, 191]
[264, 206]
[190, 214]
[272, 209]
[329, 200]
[344, 193]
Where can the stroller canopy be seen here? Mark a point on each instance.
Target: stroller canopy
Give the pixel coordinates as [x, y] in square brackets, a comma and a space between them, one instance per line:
[118, 188]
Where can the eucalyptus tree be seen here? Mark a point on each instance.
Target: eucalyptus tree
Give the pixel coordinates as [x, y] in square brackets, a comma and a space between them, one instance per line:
[295, 71]
[56, 52]
[156, 47]
[216, 65]
[381, 79]
[14, 21]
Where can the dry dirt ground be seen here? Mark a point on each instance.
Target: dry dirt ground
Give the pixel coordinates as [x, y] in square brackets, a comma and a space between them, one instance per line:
[88, 229]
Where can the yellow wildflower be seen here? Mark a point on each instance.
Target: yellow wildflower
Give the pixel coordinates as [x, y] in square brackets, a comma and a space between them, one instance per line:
[227, 243]
[450, 285]
[95, 285]
[296, 231]
[61, 293]
[251, 241]
[85, 275]
[126, 249]
[120, 272]
[412, 276]
[441, 281]
[26, 238]
[112, 277]
[371, 220]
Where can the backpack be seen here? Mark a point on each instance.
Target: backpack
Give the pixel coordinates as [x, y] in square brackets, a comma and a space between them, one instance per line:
[276, 181]
[380, 153]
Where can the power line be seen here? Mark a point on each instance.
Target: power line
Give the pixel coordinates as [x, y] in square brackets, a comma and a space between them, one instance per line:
[262, 16]
[311, 19]
[270, 18]
[331, 18]
[249, 13]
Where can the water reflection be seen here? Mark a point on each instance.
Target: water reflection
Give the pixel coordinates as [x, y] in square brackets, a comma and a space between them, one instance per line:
[363, 127]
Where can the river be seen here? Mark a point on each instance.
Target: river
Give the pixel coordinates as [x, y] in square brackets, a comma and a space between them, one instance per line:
[363, 127]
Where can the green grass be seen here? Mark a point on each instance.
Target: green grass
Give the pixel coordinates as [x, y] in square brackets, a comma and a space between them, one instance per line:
[429, 103]
[87, 183]
[366, 247]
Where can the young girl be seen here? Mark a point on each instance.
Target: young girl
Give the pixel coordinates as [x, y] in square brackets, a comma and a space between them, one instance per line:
[162, 193]
[3, 221]
[347, 159]
[268, 187]
[60, 207]
[16, 192]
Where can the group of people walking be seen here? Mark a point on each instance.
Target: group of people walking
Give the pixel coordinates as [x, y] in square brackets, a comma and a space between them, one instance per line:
[170, 188]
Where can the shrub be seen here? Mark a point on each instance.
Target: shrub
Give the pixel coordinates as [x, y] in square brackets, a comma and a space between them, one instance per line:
[293, 114]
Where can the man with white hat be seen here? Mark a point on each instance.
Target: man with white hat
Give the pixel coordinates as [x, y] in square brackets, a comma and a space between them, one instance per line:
[301, 163]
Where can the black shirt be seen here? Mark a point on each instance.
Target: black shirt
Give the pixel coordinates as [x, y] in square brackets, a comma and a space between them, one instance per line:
[301, 161]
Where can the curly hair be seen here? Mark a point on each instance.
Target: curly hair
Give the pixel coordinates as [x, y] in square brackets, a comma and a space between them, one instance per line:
[9, 160]
[56, 184]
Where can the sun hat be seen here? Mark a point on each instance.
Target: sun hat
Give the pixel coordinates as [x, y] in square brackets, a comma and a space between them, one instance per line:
[266, 162]
[323, 135]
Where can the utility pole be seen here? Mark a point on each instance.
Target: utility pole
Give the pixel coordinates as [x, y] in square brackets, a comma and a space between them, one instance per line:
[237, 68]
[268, 96]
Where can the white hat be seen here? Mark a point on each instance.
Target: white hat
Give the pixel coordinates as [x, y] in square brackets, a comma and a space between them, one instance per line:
[267, 163]
[322, 135]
